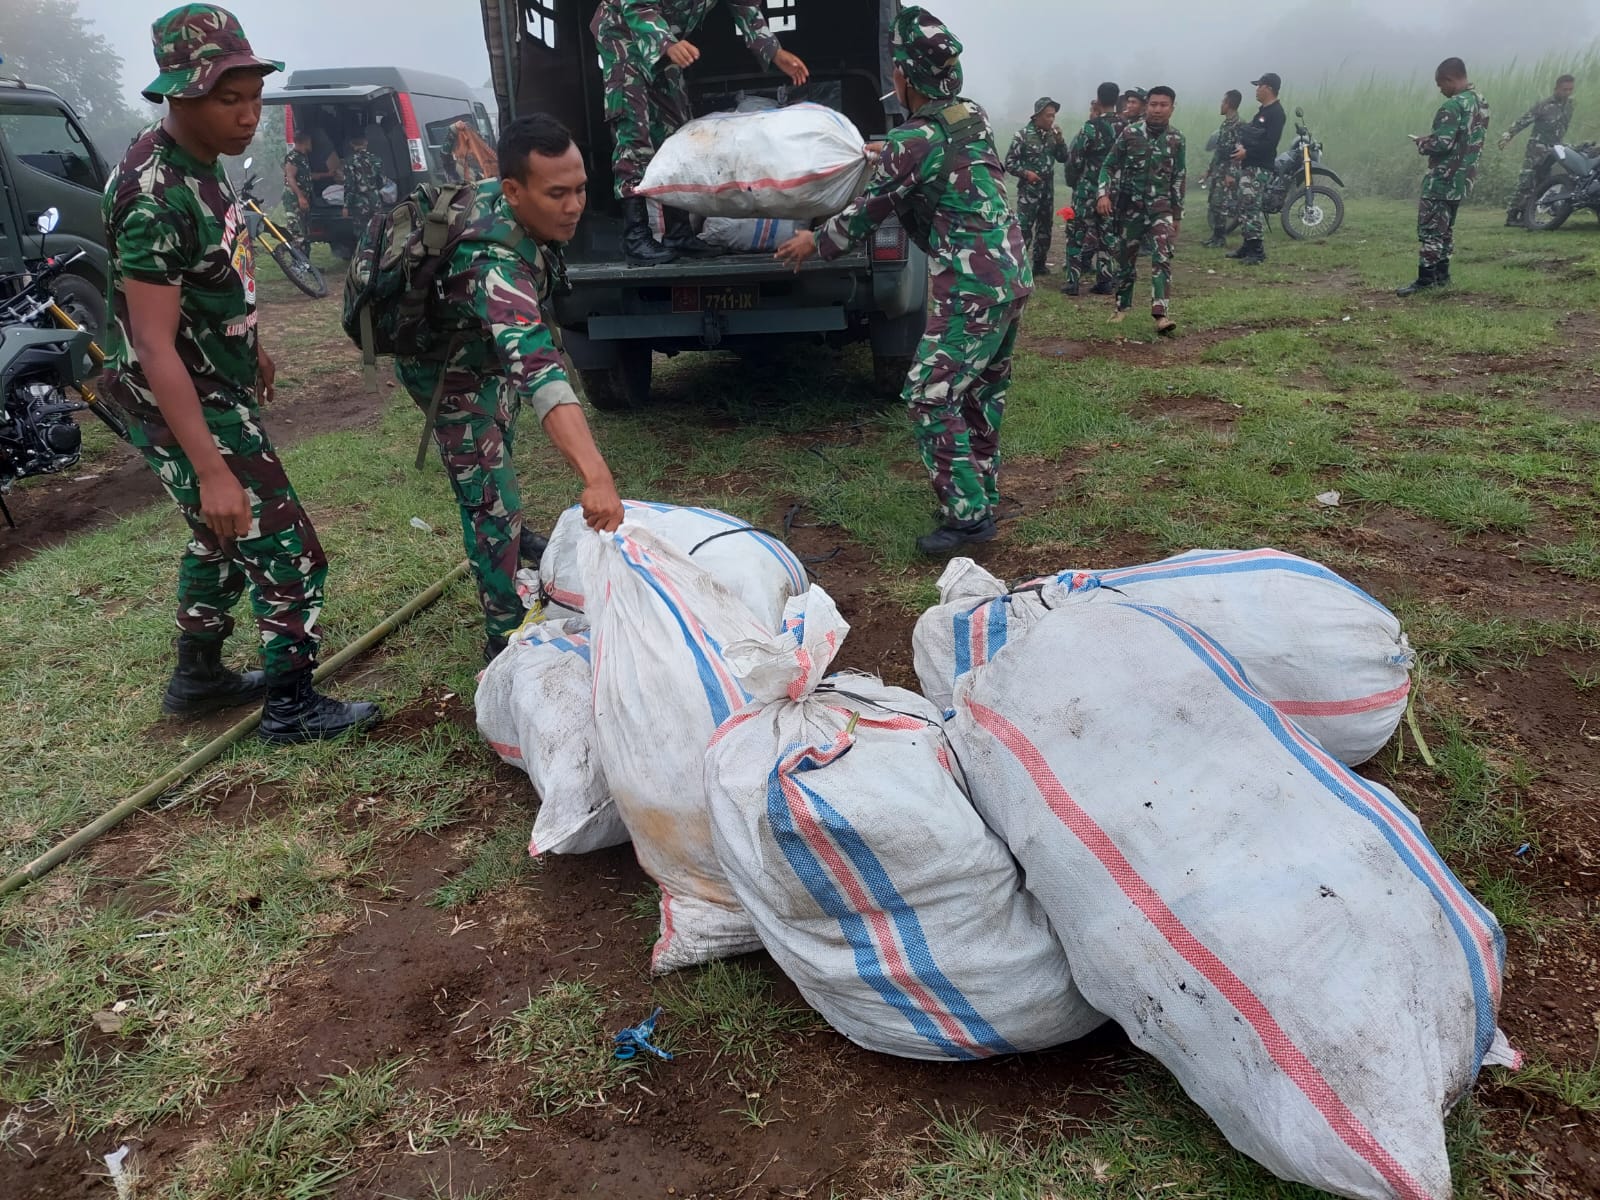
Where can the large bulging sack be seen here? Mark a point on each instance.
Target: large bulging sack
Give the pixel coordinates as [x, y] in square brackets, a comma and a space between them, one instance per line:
[661, 687]
[1321, 649]
[535, 709]
[1276, 930]
[795, 163]
[842, 823]
[755, 566]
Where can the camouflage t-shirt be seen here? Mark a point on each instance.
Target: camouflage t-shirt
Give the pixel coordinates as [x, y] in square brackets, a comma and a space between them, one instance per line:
[1145, 171]
[976, 260]
[1034, 149]
[363, 181]
[1227, 141]
[645, 27]
[173, 220]
[301, 166]
[1089, 148]
[1452, 149]
[1549, 118]
[493, 299]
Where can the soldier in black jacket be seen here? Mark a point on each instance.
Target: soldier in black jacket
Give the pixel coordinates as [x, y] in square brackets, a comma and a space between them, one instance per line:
[1258, 146]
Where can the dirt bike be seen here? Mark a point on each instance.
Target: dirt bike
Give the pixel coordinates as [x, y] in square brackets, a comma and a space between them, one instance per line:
[1567, 179]
[1306, 207]
[43, 353]
[289, 257]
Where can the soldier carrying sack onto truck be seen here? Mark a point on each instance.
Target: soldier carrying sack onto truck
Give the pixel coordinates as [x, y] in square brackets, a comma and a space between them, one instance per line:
[942, 176]
[644, 51]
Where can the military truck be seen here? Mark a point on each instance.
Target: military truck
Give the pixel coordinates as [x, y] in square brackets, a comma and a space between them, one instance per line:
[615, 317]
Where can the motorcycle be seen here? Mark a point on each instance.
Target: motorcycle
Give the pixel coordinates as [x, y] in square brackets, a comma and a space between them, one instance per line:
[1305, 207]
[44, 352]
[289, 257]
[1567, 179]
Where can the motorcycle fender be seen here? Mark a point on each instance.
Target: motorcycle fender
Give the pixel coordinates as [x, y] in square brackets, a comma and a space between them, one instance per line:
[1325, 173]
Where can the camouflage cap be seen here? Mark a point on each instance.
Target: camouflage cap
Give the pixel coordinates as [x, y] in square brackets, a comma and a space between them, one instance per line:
[194, 46]
[1044, 102]
[1138, 94]
[927, 52]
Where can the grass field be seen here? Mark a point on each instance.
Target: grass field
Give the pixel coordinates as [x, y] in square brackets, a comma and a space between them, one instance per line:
[332, 971]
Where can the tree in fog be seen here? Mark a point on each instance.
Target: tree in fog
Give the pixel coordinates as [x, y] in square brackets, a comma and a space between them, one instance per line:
[48, 43]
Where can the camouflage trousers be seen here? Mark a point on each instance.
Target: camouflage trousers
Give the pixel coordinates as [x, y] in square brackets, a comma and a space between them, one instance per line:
[293, 224]
[1036, 214]
[1152, 234]
[1436, 230]
[475, 433]
[281, 558]
[956, 396]
[642, 109]
[1531, 158]
[1251, 191]
[1089, 238]
[1222, 199]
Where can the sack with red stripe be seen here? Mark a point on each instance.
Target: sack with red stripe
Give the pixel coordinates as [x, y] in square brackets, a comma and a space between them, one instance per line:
[1321, 649]
[661, 688]
[844, 827]
[535, 709]
[753, 564]
[1276, 930]
[797, 163]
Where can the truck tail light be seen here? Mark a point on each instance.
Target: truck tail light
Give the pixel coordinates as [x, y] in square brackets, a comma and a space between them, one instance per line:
[288, 125]
[413, 131]
[889, 243]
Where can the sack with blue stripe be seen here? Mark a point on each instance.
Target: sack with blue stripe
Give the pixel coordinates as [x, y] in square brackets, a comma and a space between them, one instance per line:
[749, 235]
[840, 818]
[1321, 649]
[658, 625]
[535, 708]
[753, 564]
[1278, 931]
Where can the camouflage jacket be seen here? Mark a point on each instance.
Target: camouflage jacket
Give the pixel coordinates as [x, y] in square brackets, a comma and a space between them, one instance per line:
[302, 175]
[1145, 171]
[363, 181]
[172, 220]
[1089, 149]
[493, 298]
[976, 259]
[646, 27]
[1452, 149]
[1549, 118]
[1227, 142]
[1035, 150]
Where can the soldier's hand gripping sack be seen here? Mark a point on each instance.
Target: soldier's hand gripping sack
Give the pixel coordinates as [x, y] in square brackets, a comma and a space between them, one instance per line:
[797, 163]
[1276, 930]
[840, 818]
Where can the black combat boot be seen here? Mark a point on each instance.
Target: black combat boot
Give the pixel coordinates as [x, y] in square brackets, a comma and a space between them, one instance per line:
[1441, 273]
[1242, 251]
[493, 645]
[1041, 268]
[1217, 240]
[1252, 254]
[1104, 286]
[297, 712]
[682, 240]
[201, 684]
[1069, 288]
[952, 535]
[1514, 219]
[1427, 277]
[532, 546]
[639, 245]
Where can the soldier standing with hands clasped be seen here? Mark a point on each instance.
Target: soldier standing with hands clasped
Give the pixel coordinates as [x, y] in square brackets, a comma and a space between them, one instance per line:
[1033, 156]
[1222, 197]
[1550, 119]
[941, 174]
[1258, 147]
[1452, 150]
[1143, 181]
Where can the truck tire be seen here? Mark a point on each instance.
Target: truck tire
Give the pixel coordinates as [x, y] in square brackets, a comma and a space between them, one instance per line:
[889, 373]
[83, 302]
[623, 387]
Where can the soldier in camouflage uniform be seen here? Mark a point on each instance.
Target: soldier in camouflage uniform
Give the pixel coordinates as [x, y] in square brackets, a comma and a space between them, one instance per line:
[1223, 173]
[1550, 119]
[184, 360]
[941, 174]
[506, 353]
[297, 189]
[1452, 150]
[363, 181]
[1087, 236]
[1033, 156]
[1143, 180]
[644, 52]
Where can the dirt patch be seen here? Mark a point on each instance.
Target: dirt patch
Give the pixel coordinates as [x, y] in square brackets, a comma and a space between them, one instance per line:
[1201, 411]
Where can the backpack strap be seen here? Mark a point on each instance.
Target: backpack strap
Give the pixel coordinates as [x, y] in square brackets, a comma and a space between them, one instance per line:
[369, 350]
[430, 417]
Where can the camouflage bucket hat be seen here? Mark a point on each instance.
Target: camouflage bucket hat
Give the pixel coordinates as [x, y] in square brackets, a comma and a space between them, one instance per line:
[1044, 102]
[927, 52]
[195, 45]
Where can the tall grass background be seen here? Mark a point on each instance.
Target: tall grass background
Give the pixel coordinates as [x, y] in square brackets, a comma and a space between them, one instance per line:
[1362, 123]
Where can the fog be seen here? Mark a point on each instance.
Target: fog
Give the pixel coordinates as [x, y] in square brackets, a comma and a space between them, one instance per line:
[1015, 49]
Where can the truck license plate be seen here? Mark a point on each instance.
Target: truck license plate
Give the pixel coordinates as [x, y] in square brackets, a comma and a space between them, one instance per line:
[722, 298]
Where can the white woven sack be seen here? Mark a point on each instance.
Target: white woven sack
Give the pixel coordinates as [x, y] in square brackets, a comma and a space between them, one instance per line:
[1276, 930]
[758, 568]
[661, 688]
[749, 235]
[535, 709]
[842, 823]
[1321, 649]
[796, 163]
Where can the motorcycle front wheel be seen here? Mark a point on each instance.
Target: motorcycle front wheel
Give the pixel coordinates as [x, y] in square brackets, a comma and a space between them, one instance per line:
[300, 270]
[1548, 209]
[1313, 212]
